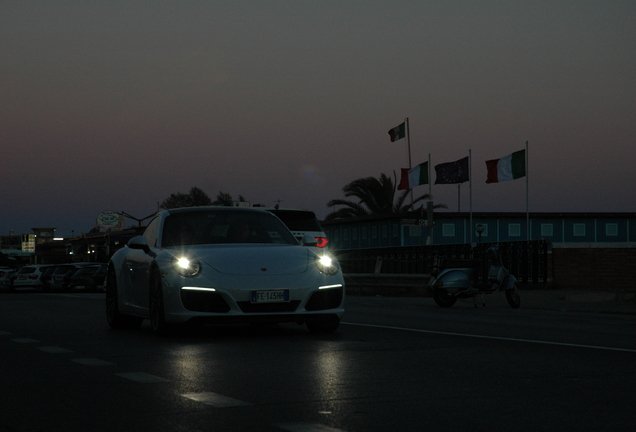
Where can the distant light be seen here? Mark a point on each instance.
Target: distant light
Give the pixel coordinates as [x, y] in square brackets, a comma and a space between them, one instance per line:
[58, 238]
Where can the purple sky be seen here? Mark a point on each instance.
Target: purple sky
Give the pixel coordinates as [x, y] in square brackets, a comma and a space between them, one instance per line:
[115, 105]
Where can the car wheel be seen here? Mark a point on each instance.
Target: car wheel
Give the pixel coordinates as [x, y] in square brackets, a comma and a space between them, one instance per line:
[157, 309]
[115, 319]
[323, 325]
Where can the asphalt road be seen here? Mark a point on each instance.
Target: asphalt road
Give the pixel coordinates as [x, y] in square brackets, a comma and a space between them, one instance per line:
[396, 364]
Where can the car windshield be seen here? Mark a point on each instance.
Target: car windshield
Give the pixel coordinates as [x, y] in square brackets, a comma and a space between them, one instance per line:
[227, 226]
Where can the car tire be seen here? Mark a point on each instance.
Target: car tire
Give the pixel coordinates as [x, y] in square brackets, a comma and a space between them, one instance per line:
[323, 325]
[156, 305]
[117, 320]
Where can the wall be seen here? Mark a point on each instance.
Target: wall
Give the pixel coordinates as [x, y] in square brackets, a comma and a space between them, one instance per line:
[598, 266]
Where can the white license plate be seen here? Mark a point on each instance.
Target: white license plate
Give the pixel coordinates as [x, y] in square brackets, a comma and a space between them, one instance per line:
[270, 296]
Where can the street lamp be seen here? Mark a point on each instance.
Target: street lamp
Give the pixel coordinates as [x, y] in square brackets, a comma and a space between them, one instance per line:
[480, 229]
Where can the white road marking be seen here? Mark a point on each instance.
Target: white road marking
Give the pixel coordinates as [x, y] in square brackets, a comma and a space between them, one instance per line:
[142, 377]
[492, 337]
[307, 427]
[215, 399]
[92, 362]
[25, 340]
[54, 349]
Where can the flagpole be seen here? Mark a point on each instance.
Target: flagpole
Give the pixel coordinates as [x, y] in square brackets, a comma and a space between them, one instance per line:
[429, 204]
[408, 142]
[527, 207]
[430, 188]
[470, 192]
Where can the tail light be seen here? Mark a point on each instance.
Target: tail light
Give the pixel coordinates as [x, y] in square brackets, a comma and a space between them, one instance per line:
[321, 242]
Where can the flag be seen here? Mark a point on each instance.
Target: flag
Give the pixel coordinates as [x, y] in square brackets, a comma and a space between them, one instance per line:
[452, 172]
[398, 132]
[509, 167]
[414, 177]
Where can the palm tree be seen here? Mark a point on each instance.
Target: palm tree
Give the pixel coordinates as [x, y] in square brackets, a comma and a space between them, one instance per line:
[375, 196]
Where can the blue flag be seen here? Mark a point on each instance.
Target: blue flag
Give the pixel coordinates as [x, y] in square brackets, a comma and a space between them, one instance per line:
[452, 172]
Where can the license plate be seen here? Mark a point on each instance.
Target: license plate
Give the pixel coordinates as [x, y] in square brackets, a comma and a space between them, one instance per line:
[271, 296]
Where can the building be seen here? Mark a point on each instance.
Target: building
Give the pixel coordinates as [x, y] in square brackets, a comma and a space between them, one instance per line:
[412, 229]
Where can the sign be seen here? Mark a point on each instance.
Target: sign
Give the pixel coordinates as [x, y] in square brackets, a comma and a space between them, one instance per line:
[417, 222]
[110, 219]
[28, 243]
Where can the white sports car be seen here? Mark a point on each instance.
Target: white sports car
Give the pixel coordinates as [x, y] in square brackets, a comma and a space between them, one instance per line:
[222, 264]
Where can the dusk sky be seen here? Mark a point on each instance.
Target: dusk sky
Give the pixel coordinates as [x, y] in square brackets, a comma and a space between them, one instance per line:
[114, 105]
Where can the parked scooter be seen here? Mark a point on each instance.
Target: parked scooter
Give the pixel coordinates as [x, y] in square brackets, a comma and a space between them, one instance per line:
[453, 283]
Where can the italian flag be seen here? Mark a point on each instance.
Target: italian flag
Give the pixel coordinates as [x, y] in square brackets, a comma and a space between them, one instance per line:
[509, 167]
[414, 177]
[398, 132]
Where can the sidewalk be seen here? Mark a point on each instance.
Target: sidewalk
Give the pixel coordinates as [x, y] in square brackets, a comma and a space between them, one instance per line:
[563, 300]
[390, 285]
[575, 300]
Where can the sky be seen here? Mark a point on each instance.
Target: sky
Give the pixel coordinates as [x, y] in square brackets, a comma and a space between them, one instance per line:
[116, 105]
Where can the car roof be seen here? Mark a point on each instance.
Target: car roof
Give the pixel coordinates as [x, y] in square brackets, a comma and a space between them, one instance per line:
[215, 208]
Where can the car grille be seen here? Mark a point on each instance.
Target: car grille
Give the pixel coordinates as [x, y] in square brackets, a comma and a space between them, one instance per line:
[325, 299]
[204, 301]
[248, 307]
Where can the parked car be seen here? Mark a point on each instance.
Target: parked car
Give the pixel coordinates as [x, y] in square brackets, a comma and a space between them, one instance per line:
[61, 277]
[28, 277]
[46, 277]
[222, 264]
[89, 278]
[301, 222]
[5, 280]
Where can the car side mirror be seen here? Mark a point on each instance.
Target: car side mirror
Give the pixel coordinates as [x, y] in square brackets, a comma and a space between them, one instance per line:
[309, 240]
[139, 242]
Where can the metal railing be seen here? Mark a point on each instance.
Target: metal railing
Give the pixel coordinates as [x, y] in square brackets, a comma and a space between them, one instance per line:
[527, 260]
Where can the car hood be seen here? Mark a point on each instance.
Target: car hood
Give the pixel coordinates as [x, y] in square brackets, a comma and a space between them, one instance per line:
[256, 259]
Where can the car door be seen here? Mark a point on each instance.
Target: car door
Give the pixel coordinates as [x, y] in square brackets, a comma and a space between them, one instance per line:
[138, 264]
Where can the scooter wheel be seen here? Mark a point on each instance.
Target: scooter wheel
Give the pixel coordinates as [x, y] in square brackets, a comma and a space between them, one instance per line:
[443, 298]
[512, 295]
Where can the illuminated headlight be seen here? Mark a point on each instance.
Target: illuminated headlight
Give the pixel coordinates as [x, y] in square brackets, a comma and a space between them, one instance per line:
[326, 265]
[186, 267]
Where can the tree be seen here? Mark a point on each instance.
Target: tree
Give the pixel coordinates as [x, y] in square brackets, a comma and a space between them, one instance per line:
[375, 196]
[195, 198]
[225, 199]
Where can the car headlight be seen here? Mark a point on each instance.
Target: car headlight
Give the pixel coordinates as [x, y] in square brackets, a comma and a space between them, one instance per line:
[326, 265]
[186, 267]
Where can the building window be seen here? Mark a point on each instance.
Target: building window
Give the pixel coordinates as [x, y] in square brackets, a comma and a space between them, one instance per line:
[345, 234]
[396, 230]
[374, 232]
[354, 233]
[364, 233]
[578, 229]
[514, 230]
[448, 230]
[547, 230]
[415, 231]
[385, 231]
[611, 229]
